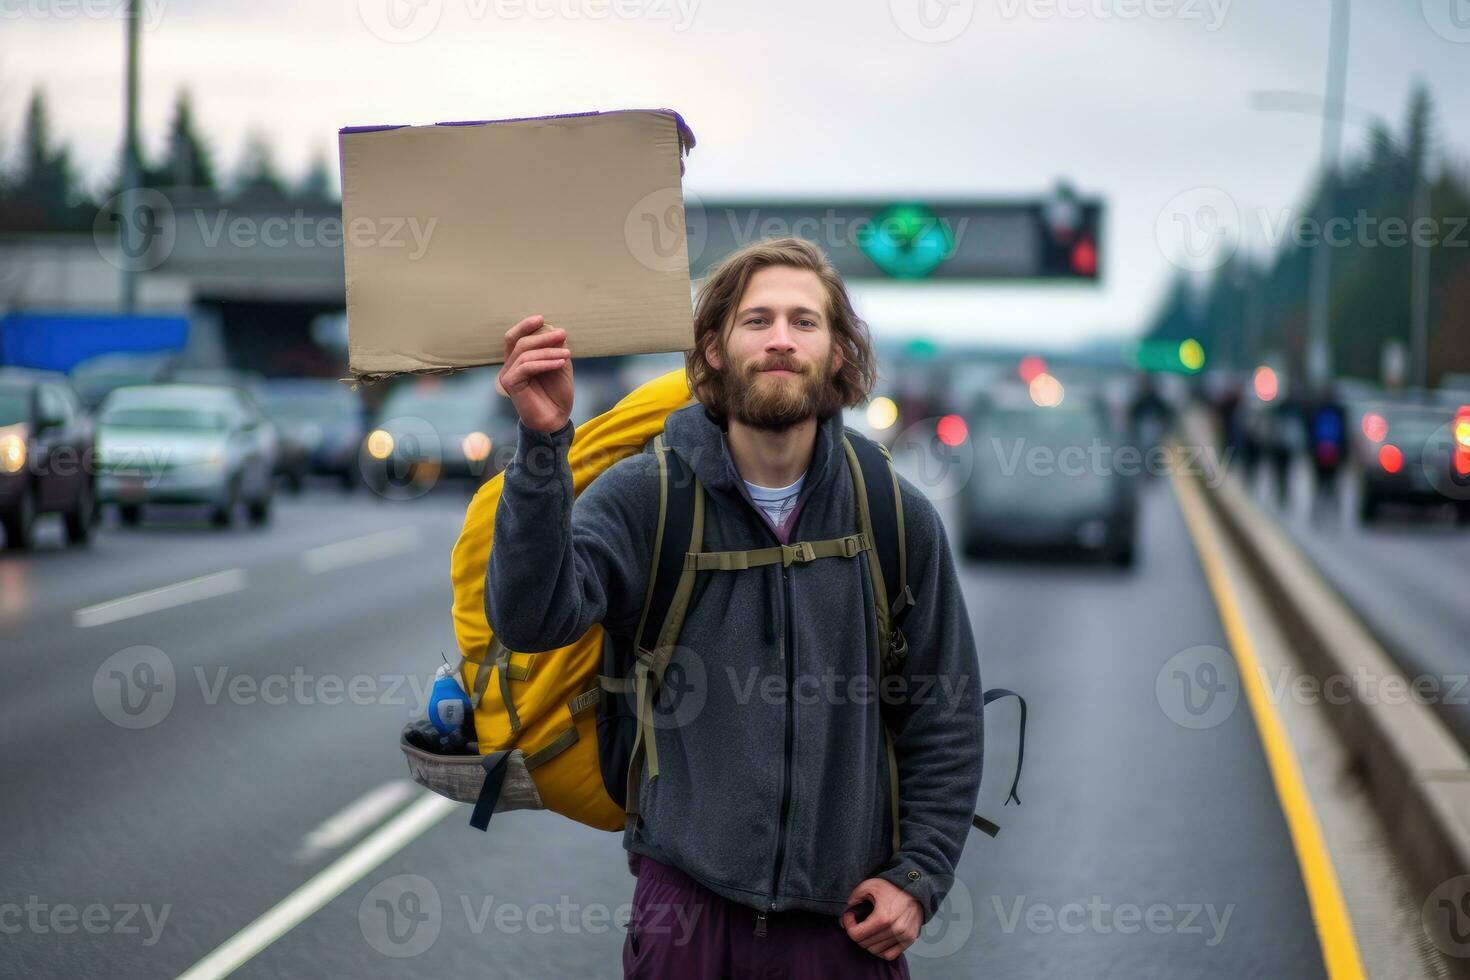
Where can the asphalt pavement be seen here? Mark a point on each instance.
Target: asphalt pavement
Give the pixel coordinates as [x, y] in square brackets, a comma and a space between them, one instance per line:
[139, 834]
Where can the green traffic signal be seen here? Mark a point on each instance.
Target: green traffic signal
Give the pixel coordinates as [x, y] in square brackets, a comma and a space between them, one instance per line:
[907, 241]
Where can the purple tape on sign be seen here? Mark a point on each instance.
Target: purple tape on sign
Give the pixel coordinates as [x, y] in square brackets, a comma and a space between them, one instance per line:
[686, 135]
[370, 129]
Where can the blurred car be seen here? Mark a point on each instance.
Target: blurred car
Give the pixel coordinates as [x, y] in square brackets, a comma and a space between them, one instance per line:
[185, 444]
[46, 445]
[320, 425]
[596, 388]
[248, 381]
[1414, 452]
[1038, 483]
[430, 427]
[96, 377]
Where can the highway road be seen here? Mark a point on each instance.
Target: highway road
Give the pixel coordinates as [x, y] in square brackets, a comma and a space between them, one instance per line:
[140, 834]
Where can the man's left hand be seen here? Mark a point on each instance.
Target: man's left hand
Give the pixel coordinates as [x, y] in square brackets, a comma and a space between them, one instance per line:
[892, 926]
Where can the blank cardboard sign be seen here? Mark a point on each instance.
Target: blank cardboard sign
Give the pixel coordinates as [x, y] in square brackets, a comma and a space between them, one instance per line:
[453, 233]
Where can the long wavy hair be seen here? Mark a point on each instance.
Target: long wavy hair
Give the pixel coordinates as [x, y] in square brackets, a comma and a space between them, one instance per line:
[714, 313]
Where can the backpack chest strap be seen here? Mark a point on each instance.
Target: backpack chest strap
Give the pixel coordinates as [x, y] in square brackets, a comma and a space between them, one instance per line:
[848, 546]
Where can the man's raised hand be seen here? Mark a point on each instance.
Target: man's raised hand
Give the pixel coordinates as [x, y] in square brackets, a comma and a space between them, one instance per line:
[537, 374]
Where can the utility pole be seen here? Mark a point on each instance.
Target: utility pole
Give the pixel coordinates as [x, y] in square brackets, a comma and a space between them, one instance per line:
[129, 228]
[1319, 347]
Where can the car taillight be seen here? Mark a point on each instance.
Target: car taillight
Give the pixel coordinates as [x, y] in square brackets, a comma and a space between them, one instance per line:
[1375, 427]
[1390, 458]
[1461, 430]
[951, 430]
[1265, 383]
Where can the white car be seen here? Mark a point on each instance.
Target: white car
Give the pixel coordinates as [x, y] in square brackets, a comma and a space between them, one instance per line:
[185, 444]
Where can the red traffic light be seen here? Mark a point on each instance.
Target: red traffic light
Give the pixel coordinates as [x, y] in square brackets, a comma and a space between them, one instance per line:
[1084, 257]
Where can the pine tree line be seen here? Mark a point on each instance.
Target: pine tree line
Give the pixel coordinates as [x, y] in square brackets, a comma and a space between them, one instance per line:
[1249, 308]
[41, 189]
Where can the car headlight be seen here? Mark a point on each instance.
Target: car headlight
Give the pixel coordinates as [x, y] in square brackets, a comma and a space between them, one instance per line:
[12, 454]
[379, 444]
[882, 413]
[476, 446]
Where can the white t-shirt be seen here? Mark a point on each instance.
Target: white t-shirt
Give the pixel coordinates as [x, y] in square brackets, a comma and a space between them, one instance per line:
[776, 501]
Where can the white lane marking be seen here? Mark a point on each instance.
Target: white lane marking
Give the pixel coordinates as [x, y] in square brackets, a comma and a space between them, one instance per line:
[355, 551]
[164, 597]
[320, 889]
[354, 819]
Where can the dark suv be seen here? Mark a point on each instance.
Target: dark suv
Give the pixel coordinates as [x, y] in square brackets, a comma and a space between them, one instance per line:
[46, 450]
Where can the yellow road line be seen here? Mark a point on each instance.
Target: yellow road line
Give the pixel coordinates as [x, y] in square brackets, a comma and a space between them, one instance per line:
[1324, 894]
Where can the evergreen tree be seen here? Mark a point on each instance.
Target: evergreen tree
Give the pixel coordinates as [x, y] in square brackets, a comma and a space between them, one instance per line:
[45, 169]
[43, 195]
[258, 176]
[189, 162]
[317, 185]
[1371, 287]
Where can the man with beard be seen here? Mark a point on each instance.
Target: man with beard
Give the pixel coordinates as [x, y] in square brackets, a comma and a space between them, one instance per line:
[764, 845]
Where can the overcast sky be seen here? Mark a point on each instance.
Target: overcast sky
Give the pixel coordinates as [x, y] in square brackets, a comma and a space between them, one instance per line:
[1146, 103]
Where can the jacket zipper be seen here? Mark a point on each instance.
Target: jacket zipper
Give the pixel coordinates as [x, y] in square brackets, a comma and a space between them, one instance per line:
[784, 641]
[760, 920]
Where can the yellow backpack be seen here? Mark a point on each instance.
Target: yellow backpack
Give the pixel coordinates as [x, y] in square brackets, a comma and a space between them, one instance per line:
[558, 743]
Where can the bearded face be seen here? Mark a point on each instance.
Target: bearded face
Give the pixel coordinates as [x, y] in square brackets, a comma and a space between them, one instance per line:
[775, 393]
[777, 358]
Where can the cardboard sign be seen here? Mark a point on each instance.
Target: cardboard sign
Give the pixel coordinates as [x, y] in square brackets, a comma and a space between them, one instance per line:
[453, 233]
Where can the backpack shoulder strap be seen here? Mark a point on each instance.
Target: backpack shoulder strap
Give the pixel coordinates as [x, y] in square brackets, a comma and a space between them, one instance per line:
[677, 500]
[880, 517]
[670, 582]
[880, 520]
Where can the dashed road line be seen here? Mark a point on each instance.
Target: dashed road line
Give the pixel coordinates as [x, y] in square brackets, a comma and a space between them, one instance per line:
[322, 887]
[356, 551]
[164, 597]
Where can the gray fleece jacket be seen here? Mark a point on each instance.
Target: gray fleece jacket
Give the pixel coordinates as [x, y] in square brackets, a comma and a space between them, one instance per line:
[773, 779]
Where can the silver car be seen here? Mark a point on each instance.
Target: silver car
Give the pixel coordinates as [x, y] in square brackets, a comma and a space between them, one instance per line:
[1047, 478]
[185, 444]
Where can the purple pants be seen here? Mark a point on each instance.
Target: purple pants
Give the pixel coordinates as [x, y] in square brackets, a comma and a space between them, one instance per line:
[679, 930]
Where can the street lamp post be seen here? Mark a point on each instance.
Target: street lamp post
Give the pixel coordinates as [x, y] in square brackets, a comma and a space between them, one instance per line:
[1319, 349]
[129, 230]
